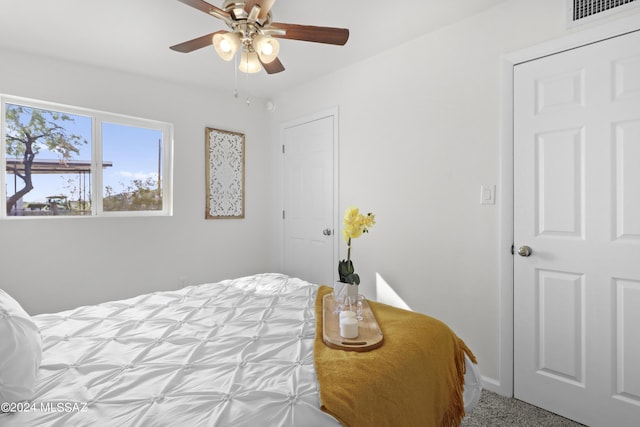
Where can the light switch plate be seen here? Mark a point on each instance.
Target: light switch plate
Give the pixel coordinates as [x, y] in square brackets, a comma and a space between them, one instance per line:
[487, 194]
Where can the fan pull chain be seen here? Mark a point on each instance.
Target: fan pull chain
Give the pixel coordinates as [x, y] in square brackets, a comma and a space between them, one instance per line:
[235, 90]
[246, 84]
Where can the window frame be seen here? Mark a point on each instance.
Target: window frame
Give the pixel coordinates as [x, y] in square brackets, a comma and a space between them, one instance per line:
[97, 119]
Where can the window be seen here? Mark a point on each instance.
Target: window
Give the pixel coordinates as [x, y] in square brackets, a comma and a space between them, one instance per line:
[66, 161]
[132, 178]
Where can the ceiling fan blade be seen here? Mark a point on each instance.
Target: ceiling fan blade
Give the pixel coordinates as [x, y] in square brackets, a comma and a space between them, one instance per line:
[273, 67]
[309, 33]
[265, 7]
[207, 8]
[195, 44]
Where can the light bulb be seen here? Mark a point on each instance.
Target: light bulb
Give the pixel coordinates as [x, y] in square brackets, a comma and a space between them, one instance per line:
[226, 44]
[249, 63]
[266, 47]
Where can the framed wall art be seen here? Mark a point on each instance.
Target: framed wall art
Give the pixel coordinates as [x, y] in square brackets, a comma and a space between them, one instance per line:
[224, 165]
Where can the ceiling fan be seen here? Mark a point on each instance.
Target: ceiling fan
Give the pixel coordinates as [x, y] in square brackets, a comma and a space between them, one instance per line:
[254, 33]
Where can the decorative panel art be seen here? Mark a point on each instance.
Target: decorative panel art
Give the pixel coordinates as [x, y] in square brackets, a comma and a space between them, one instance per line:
[224, 174]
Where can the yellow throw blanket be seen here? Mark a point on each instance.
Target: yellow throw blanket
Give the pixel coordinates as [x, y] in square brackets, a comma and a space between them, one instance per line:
[415, 379]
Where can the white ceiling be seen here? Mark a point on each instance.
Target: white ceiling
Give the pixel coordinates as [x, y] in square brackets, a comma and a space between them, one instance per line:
[135, 35]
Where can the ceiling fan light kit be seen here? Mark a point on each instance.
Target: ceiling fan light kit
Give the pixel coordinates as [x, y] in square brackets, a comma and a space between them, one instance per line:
[253, 32]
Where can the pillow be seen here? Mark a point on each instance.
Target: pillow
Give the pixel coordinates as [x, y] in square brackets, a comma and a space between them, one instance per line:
[20, 351]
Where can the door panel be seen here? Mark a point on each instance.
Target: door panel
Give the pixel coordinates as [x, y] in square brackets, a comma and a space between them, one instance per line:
[628, 346]
[627, 179]
[560, 183]
[577, 205]
[560, 325]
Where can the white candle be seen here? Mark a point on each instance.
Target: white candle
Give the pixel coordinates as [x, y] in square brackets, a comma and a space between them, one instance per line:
[349, 327]
[345, 314]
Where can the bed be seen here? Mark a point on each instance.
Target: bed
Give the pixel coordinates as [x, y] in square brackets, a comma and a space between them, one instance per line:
[234, 353]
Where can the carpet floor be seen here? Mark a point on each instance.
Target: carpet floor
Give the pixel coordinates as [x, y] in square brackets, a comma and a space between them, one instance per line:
[498, 411]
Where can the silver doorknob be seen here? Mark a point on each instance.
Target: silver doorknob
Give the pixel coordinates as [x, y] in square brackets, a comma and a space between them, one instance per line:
[524, 251]
[326, 232]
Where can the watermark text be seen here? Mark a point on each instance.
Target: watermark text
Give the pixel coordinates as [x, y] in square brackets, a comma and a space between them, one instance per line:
[53, 406]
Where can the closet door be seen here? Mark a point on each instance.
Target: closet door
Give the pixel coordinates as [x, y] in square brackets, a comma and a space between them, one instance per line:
[577, 232]
[309, 199]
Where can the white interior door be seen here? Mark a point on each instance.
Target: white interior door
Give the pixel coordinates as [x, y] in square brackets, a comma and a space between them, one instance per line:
[309, 199]
[577, 206]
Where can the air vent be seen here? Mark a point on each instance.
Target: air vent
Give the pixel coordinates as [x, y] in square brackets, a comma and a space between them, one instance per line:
[582, 9]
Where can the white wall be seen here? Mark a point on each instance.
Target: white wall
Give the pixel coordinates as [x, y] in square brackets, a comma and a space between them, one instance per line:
[59, 263]
[419, 135]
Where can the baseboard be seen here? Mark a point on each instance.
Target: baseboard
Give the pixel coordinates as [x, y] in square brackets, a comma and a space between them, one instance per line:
[493, 385]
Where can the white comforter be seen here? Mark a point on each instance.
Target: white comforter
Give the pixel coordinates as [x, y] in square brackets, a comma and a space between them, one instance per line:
[234, 353]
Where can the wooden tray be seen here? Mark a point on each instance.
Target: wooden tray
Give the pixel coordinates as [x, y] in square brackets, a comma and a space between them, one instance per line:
[369, 333]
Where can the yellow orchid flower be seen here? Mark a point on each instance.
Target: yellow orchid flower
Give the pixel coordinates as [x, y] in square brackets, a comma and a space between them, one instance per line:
[355, 224]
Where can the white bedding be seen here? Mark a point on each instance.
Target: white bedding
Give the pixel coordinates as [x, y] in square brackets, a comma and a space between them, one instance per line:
[234, 353]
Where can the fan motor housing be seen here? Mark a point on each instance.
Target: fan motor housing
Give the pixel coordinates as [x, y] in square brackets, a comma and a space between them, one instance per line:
[239, 15]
